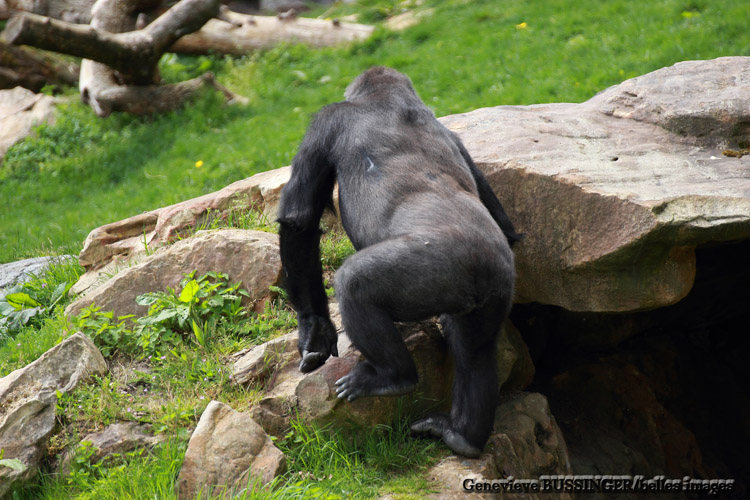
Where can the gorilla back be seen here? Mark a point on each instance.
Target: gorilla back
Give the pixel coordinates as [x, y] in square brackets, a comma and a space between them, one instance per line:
[431, 238]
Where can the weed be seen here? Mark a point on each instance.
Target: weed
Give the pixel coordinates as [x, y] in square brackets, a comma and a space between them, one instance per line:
[197, 309]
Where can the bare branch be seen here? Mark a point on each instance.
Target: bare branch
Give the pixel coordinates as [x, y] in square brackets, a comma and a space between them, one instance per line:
[134, 54]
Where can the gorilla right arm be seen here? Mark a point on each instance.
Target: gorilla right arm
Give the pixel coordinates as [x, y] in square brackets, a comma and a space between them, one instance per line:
[303, 200]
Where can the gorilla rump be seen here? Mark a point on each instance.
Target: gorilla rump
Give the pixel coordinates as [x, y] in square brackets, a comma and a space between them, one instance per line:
[431, 238]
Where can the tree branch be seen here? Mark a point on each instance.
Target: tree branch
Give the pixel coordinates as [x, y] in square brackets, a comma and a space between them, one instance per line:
[134, 54]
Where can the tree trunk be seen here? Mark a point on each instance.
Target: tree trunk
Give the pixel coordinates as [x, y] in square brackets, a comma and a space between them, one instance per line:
[134, 54]
[262, 32]
[33, 69]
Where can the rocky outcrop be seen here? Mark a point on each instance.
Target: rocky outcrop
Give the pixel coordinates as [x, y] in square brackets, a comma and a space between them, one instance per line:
[28, 399]
[109, 248]
[659, 392]
[227, 452]
[275, 366]
[536, 443]
[20, 111]
[615, 194]
[251, 257]
[115, 439]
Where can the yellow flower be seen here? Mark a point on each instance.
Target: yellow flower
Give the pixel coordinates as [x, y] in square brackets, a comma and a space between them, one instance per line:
[522, 26]
[199, 164]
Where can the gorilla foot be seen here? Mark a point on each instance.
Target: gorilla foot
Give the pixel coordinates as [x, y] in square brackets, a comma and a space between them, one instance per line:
[439, 426]
[363, 381]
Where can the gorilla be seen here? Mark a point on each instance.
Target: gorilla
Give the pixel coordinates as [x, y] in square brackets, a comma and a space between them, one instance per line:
[431, 239]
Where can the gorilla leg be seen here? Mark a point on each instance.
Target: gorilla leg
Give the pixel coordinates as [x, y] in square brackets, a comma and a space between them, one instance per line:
[472, 339]
[400, 279]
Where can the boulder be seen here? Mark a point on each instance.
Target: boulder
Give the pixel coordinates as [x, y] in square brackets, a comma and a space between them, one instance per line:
[118, 438]
[251, 257]
[312, 396]
[28, 398]
[526, 443]
[227, 452]
[614, 194]
[109, 248]
[451, 473]
[20, 111]
[21, 271]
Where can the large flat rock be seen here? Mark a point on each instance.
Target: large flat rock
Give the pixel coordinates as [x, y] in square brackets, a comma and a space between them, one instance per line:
[614, 194]
[117, 245]
[251, 257]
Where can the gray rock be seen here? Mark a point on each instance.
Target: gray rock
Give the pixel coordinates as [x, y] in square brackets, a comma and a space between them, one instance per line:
[28, 400]
[615, 193]
[248, 256]
[227, 452]
[528, 442]
[119, 438]
[449, 475]
[21, 271]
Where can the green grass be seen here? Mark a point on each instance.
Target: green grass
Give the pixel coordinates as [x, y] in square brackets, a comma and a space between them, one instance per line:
[84, 172]
[170, 390]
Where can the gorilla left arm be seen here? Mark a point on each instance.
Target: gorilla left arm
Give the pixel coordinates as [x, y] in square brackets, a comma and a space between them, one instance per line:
[303, 200]
[488, 197]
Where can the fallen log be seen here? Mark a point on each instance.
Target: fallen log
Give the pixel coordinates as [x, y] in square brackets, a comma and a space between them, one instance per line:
[134, 54]
[263, 32]
[119, 71]
[33, 69]
[73, 11]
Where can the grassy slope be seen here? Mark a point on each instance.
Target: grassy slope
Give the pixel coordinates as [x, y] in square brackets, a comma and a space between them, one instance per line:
[84, 172]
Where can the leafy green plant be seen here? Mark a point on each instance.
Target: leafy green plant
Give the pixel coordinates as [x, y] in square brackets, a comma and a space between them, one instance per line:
[109, 334]
[197, 309]
[19, 305]
[11, 463]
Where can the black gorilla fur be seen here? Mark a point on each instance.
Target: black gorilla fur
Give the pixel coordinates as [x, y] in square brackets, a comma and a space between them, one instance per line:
[431, 239]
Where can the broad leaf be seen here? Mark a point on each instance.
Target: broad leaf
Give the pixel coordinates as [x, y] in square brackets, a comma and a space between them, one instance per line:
[21, 300]
[188, 293]
[199, 334]
[13, 463]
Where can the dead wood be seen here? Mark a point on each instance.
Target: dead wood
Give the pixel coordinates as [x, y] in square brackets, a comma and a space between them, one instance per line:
[134, 54]
[262, 32]
[33, 69]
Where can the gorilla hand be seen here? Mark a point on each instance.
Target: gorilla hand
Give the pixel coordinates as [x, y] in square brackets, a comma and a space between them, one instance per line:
[317, 341]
